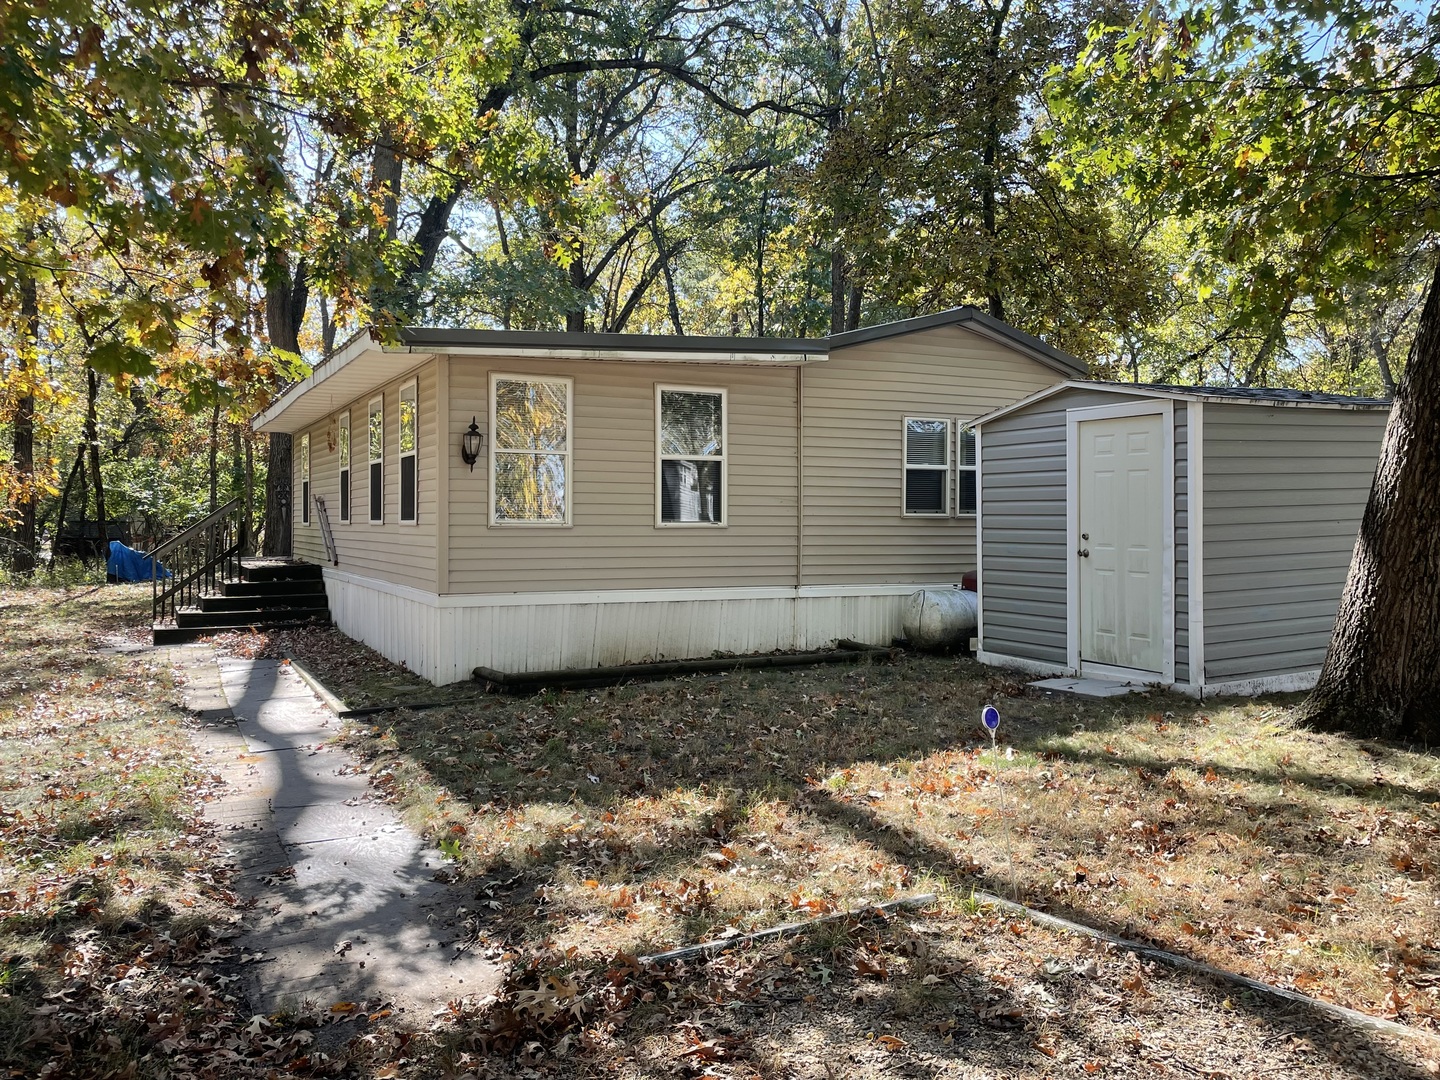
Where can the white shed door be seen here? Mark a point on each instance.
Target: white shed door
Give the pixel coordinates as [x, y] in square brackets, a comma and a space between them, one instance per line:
[1122, 541]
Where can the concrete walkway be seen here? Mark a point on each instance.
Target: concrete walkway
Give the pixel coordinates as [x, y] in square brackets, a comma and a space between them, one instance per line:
[347, 905]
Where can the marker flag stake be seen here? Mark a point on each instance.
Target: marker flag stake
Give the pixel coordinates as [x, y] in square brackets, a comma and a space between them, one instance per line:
[990, 717]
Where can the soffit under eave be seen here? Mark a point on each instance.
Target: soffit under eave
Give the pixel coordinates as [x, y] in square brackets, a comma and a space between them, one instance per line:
[330, 391]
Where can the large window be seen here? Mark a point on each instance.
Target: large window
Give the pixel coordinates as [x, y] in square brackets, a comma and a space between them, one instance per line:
[691, 462]
[342, 447]
[927, 467]
[305, 479]
[377, 460]
[530, 450]
[409, 476]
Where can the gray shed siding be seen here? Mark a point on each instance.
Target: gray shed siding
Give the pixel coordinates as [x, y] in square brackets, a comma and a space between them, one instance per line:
[1023, 579]
[1284, 492]
[1022, 518]
[1182, 541]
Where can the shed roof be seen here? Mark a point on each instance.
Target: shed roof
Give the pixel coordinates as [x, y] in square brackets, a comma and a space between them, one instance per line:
[1276, 397]
[362, 362]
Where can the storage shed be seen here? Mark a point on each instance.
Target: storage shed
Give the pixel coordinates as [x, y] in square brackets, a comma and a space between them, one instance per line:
[1194, 537]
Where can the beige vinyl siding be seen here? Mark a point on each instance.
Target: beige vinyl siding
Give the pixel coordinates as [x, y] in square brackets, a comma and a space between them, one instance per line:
[1023, 476]
[613, 542]
[400, 554]
[1284, 492]
[854, 405]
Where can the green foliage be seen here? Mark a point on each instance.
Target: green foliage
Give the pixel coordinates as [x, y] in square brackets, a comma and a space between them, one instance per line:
[1297, 144]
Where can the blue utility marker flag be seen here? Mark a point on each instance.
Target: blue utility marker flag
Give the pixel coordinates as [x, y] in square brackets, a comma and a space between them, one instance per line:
[990, 717]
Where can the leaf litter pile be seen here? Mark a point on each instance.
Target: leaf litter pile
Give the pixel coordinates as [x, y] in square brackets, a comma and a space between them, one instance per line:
[594, 827]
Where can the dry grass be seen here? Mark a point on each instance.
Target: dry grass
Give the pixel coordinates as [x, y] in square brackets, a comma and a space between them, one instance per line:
[115, 900]
[653, 815]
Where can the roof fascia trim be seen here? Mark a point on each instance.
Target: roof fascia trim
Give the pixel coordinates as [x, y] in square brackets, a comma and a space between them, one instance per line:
[1174, 395]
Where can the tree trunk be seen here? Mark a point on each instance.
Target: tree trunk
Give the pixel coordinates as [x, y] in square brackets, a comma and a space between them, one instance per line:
[285, 301]
[75, 471]
[92, 441]
[214, 463]
[575, 320]
[1382, 673]
[24, 554]
[990, 154]
[277, 496]
[837, 291]
[248, 547]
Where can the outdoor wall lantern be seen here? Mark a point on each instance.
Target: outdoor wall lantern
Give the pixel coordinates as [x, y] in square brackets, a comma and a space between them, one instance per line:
[470, 444]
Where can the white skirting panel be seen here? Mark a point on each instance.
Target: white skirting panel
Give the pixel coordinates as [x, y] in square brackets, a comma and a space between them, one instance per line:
[444, 638]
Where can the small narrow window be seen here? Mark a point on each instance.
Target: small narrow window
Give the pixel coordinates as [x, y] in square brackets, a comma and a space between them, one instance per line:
[691, 466]
[305, 479]
[409, 475]
[965, 488]
[342, 447]
[927, 467]
[530, 450]
[377, 460]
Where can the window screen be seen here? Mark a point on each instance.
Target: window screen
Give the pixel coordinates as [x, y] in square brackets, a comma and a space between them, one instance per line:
[342, 447]
[965, 473]
[692, 456]
[530, 425]
[377, 460]
[927, 466]
[409, 443]
[305, 479]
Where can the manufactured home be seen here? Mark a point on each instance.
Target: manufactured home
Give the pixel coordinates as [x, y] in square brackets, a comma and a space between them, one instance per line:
[1192, 537]
[528, 501]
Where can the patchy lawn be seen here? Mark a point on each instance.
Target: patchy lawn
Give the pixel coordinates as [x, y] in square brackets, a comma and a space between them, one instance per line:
[640, 818]
[115, 898]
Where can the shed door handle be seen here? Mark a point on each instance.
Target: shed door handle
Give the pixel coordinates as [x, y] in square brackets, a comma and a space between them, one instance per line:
[1084, 553]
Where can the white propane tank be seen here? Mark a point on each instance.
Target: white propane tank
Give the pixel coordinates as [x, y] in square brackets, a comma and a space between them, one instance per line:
[940, 618]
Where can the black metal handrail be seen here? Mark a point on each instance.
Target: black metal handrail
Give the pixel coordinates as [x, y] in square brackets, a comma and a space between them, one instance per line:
[197, 559]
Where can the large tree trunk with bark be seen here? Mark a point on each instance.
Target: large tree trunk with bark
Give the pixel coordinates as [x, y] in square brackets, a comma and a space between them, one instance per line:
[285, 298]
[1382, 673]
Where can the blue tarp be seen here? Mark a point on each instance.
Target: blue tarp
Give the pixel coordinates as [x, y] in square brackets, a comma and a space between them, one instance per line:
[127, 564]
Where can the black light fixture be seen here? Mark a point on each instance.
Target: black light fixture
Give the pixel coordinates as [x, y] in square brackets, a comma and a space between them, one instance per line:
[470, 443]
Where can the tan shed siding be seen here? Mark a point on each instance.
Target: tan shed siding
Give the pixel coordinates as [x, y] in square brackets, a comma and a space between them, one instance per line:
[1023, 477]
[854, 406]
[1182, 542]
[1284, 492]
[613, 541]
[401, 554]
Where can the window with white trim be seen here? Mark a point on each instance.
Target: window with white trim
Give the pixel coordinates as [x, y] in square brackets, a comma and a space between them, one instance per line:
[690, 470]
[927, 467]
[376, 430]
[305, 479]
[342, 448]
[409, 441]
[530, 427]
[965, 473]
